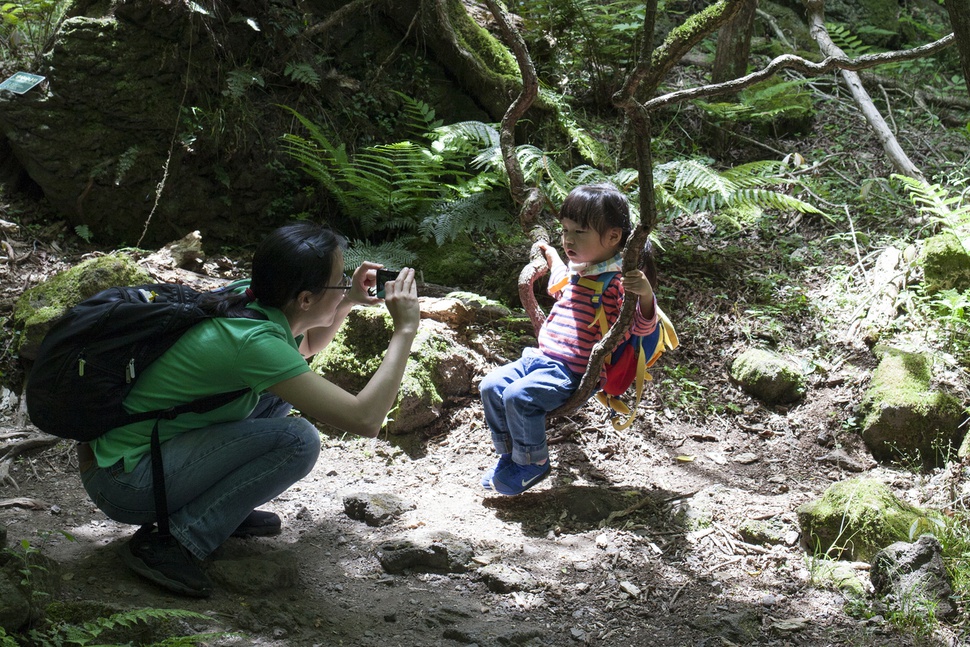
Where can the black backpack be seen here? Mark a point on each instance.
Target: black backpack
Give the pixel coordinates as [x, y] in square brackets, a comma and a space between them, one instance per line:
[88, 363]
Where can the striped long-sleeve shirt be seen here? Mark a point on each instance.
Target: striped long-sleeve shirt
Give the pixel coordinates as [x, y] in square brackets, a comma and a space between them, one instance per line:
[569, 332]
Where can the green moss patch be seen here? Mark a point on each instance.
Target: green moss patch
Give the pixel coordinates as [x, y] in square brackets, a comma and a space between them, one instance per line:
[855, 519]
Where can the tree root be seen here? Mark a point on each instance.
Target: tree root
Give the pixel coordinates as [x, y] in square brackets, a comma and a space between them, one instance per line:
[9, 452]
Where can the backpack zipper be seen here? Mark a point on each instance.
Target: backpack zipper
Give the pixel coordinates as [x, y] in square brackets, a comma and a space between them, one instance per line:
[130, 371]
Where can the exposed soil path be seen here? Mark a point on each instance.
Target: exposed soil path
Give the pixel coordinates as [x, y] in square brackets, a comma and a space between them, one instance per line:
[634, 540]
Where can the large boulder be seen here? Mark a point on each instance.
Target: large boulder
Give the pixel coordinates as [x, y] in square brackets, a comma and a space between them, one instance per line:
[164, 117]
[857, 518]
[768, 376]
[913, 578]
[907, 420]
[440, 368]
[946, 264]
[40, 306]
[26, 576]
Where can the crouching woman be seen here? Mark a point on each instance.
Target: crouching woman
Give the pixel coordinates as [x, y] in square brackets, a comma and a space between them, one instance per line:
[221, 465]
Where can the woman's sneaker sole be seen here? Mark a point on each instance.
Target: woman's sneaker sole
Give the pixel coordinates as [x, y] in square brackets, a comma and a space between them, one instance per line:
[162, 560]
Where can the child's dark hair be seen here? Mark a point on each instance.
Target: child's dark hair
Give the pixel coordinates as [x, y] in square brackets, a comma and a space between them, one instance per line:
[599, 207]
[293, 258]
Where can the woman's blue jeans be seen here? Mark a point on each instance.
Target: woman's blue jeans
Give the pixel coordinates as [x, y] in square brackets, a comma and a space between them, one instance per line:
[516, 398]
[214, 476]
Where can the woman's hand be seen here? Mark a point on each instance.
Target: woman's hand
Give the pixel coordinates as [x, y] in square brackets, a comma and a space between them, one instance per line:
[401, 299]
[364, 279]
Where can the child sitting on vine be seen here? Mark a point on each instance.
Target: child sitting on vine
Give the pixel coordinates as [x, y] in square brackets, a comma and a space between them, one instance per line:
[517, 397]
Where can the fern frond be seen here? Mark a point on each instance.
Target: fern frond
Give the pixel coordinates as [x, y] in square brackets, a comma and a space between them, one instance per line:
[302, 73]
[758, 173]
[479, 212]
[587, 175]
[844, 39]
[767, 199]
[468, 136]
[764, 102]
[392, 254]
[691, 177]
[627, 179]
[935, 201]
[419, 117]
[240, 80]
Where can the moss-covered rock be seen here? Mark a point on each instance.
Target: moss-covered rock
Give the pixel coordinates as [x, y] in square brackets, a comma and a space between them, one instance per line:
[770, 532]
[768, 376]
[905, 419]
[855, 519]
[439, 366]
[838, 575]
[946, 264]
[42, 304]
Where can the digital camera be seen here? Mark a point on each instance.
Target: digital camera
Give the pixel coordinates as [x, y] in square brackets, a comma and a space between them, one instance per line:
[383, 276]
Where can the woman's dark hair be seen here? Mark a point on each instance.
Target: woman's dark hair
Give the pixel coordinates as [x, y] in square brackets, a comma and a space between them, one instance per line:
[293, 258]
[599, 207]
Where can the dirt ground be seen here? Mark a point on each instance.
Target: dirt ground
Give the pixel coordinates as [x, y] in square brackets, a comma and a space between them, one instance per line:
[633, 540]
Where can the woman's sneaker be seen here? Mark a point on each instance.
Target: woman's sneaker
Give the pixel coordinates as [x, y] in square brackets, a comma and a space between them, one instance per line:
[259, 523]
[161, 559]
[516, 479]
[503, 461]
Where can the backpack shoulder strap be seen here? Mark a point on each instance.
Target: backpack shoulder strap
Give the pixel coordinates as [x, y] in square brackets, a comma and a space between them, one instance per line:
[598, 286]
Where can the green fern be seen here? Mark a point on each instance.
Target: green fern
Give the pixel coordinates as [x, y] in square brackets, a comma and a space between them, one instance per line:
[388, 187]
[935, 202]
[764, 102]
[681, 186]
[64, 633]
[302, 73]
[479, 212]
[479, 140]
[419, 118]
[391, 254]
[240, 80]
[689, 186]
[846, 40]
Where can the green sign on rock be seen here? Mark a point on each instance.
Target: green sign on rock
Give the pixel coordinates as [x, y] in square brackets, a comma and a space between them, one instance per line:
[21, 82]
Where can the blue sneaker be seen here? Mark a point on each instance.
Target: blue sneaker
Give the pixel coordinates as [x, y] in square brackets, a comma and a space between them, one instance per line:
[503, 460]
[516, 479]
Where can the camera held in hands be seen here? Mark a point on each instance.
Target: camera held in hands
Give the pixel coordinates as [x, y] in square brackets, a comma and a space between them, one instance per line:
[383, 276]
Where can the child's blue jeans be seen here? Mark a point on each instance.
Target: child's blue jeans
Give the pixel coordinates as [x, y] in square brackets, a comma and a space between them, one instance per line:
[214, 476]
[517, 397]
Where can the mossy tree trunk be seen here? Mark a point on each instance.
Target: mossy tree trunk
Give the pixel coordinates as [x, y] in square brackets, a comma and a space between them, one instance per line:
[959, 11]
[478, 61]
[734, 45]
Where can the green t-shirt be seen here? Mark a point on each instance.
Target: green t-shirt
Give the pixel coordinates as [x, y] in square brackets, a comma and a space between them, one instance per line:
[215, 356]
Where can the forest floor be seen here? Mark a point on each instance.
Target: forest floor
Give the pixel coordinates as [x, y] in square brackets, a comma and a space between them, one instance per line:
[634, 540]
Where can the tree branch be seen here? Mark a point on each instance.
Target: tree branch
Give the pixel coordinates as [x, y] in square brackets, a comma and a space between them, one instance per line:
[654, 66]
[338, 16]
[528, 94]
[637, 241]
[890, 144]
[528, 199]
[799, 64]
